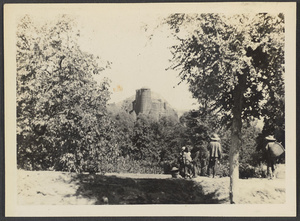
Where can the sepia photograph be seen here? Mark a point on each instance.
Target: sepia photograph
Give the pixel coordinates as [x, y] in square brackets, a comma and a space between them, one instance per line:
[150, 109]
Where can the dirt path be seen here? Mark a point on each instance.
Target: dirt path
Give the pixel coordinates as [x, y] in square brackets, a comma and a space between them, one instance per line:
[59, 188]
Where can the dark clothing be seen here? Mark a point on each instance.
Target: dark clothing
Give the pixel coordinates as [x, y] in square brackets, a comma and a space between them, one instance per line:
[215, 153]
[181, 165]
[196, 162]
[271, 160]
[213, 165]
[200, 162]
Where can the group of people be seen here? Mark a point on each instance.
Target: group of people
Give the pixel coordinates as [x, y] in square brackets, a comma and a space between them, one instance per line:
[188, 165]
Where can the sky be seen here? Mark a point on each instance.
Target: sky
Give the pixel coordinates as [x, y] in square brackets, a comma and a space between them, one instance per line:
[136, 60]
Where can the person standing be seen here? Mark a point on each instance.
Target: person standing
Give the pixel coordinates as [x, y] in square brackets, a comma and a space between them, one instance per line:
[181, 162]
[196, 162]
[273, 151]
[215, 154]
[187, 159]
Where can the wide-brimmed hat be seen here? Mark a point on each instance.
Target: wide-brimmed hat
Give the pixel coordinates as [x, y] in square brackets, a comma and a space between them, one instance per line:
[215, 137]
[174, 169]
[271, 138]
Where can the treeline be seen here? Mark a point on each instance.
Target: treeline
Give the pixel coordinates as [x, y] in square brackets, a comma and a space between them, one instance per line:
[150, 146]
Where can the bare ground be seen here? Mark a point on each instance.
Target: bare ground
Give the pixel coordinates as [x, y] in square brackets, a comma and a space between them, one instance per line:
[62, 188]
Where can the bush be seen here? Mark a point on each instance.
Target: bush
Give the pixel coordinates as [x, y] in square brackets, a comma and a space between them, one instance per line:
[246, 171]
[223, 169]
[261, 171]
[67, 163]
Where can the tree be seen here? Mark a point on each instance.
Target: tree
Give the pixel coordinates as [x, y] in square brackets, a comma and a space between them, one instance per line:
[145, 139]
[249, 156]
[232, 65]
[172, 136]
[62, 122]
[124, 123]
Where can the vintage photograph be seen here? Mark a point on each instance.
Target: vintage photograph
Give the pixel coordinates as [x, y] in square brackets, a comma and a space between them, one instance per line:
[162, 105]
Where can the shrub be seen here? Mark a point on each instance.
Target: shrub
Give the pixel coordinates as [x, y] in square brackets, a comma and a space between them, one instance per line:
[223, 169]
[67, 163]
[246, 171]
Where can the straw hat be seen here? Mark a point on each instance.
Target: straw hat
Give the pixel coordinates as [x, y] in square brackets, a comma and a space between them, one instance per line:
[174, 169]
[215, 137]
[270, 138]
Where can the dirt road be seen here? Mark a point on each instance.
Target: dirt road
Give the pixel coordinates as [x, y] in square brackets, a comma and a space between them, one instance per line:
[61, 188]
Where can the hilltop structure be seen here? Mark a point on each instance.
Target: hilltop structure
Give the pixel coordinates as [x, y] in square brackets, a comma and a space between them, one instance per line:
[146, 102]
[156, 107]
[143, 101]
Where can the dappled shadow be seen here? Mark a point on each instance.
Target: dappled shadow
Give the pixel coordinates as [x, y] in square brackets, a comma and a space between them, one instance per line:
[116, 190]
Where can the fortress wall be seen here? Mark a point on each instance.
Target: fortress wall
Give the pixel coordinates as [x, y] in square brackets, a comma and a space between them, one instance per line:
[156, 109]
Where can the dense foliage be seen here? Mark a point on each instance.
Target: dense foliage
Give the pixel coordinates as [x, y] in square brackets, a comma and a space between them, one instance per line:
[217, 50]
[62, 122]
[147, 145]
[154, 146]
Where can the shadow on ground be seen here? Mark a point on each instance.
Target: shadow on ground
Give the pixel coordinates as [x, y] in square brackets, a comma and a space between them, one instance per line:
[116, 190]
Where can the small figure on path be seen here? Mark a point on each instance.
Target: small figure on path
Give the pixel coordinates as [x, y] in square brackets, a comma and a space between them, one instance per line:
[273, 151]
[181, 162]
[215, 154]
[195, 153]
[187, 159]
[185, 163]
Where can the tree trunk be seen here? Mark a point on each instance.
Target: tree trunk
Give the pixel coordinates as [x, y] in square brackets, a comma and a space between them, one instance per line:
[234, 159]
[236, 128]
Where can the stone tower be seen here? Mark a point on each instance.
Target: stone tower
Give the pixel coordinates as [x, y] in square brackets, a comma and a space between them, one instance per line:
[143, 102]
[151, 104]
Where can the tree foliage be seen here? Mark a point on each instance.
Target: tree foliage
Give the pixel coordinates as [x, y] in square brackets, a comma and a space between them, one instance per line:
[155, 140]
[148, 144]
[124, 124]
[62, 122]
[219, 49]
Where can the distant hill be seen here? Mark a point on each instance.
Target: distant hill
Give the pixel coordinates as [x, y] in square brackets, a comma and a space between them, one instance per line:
[146, 102]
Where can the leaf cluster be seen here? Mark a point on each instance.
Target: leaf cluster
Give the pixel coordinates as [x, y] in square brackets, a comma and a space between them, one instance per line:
[216, 49]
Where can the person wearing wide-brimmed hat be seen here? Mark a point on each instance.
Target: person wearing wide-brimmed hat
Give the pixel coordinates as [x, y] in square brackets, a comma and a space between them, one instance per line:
[271, 159]
[215, 154]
